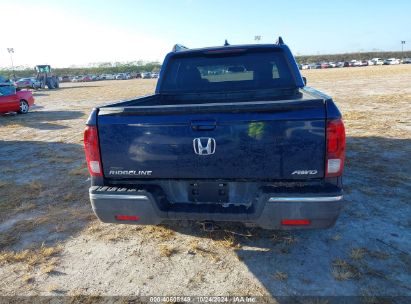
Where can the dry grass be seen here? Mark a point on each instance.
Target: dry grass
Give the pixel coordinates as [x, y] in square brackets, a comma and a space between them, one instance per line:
[378, 255]
[336, 237]
[31, 257]
[16, 198]
[281, 276]
[80, 171]
[28, 278]
[111, 233]
[94, 228]
[343, 271]
[196, 248]
[49, 267]
[7, 239]
[4, 184]
[158, 232]
[35, 186]
[6, 170]
[167, 250]
[70, 197]
[358, 253]
[197, 279]
[59, 216]
[53, 288]
[25, 207]
[229, 242]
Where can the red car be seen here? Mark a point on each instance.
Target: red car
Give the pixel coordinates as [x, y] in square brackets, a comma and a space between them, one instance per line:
[325, 65]
[15, 101]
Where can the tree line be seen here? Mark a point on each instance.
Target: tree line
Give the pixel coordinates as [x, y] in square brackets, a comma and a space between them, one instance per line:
[140, 66]
[97, 69]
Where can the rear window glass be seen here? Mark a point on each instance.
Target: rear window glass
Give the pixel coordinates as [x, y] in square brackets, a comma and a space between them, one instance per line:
[225, 72]
[7, 90]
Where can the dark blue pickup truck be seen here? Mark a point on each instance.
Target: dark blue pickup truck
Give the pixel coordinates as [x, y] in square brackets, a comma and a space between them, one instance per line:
[231, 134]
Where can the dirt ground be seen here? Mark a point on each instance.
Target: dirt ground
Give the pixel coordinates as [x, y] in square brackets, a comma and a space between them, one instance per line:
[52, 244]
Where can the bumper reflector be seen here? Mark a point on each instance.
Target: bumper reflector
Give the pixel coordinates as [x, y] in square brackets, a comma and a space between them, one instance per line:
[295, 222]
[122, 217]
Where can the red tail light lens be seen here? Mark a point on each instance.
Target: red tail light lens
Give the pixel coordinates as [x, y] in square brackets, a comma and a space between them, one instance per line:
[299, 222]
[122, 217]
[335, 148]
[92, 151]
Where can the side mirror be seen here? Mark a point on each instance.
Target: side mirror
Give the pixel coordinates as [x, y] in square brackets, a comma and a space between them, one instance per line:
[305, 80]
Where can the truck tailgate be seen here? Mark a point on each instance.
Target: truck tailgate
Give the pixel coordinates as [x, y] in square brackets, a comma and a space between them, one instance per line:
[280, 141]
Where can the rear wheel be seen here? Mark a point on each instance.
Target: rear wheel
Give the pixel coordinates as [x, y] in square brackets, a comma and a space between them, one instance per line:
[24, 107]
[50, 84]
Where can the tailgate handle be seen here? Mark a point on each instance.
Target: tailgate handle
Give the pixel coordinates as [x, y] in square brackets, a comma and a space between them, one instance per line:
[203, 125]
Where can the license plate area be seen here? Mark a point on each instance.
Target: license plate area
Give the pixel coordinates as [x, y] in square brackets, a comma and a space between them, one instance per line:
[208, 192]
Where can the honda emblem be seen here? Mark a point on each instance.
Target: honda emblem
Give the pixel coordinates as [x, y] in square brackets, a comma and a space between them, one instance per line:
[204, 145]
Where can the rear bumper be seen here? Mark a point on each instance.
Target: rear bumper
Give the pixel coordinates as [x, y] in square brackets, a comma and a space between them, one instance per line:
[321, 210]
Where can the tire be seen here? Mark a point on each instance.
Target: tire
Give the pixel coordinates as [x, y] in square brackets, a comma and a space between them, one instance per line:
[56, 84]
[50, 84]
[24, 107]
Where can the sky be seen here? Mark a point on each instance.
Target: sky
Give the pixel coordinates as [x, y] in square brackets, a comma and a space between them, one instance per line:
[66, 33]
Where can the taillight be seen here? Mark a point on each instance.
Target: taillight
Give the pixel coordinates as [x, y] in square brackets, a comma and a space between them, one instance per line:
[295, 222]
[92, 150]
[335, 148]
[122, 217]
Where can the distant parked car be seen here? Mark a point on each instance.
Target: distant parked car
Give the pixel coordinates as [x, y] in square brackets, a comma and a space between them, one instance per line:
[65, 79]
[146, 75]
[109, 77]
[391, 61]
[12, 100]
[377, 61]
[86, 78]
[406, 60]
[325, 65]
[25, 83]
[332, 64]
[77, 79]
[364, 63]
[355, 63]
[138, 75]
[95, 77]
[304, 66]
[121, 76]
[154, 75]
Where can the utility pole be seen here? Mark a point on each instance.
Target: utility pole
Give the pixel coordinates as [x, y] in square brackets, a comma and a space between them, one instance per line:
[402, 48]
[11, 51]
